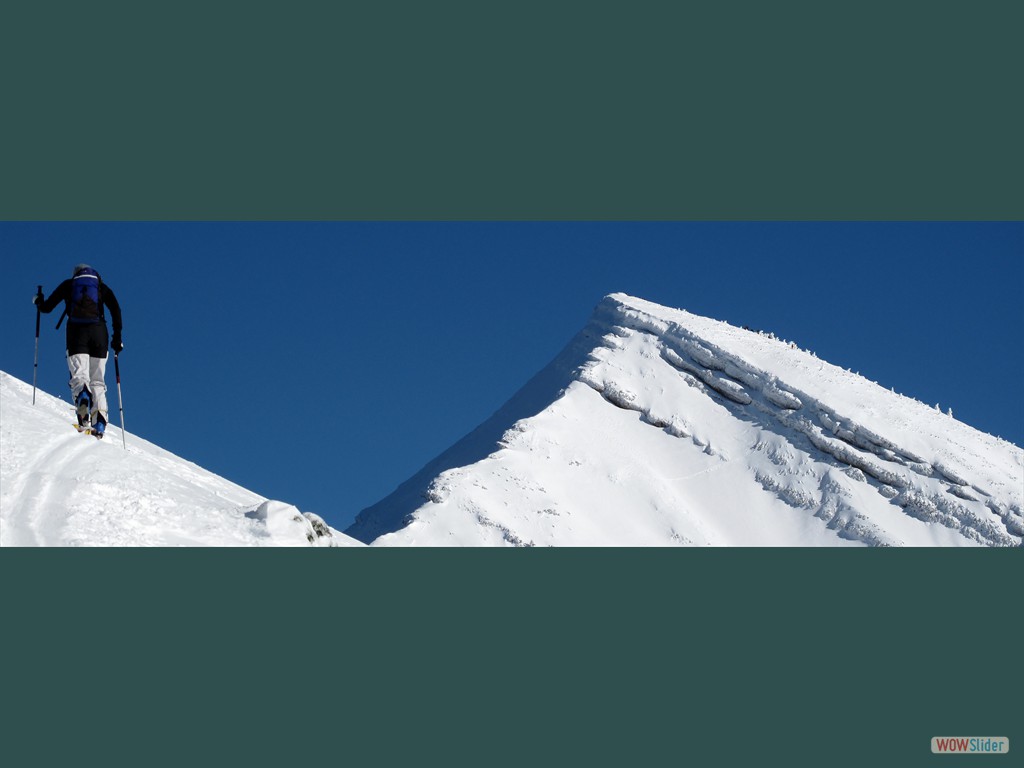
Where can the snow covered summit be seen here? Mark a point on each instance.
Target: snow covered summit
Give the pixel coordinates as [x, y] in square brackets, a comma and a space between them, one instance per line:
[658, 427]
[62, 488]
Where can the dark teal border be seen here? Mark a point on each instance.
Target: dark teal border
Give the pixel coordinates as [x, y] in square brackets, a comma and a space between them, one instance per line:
[554, 110]
[597, 657]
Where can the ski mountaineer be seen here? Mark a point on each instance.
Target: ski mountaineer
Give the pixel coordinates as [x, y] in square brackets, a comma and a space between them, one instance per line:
[85, 296]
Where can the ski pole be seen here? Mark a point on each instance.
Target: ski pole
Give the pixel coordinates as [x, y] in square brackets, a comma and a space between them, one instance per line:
[35, 364]
[120, 407]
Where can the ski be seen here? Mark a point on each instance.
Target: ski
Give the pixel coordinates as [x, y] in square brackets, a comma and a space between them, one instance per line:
[87, 430]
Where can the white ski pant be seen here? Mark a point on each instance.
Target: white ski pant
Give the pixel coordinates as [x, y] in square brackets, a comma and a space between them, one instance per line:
[90, 372]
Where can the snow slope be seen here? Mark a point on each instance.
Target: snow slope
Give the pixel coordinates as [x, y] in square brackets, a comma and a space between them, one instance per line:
[658, 427]
[62, 488]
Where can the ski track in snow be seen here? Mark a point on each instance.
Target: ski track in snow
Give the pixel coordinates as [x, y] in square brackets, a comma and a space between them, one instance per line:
[38, 507]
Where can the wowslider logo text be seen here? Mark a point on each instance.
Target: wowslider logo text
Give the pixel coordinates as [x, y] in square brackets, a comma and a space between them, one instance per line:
[970, 745]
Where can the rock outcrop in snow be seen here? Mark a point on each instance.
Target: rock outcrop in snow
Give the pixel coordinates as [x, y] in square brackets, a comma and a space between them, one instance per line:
[659, 427]
[287, 524]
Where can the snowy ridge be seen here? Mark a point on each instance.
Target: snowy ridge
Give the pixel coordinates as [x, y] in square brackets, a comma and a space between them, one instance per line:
[62, 488]
[929, 486]
[735, 438]
[393, 512]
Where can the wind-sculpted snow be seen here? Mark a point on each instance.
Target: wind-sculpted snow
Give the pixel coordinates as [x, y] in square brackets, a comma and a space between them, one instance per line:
[717, 435]
[62, 488]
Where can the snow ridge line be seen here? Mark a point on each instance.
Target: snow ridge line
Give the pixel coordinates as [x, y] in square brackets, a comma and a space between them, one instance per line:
[708, 367]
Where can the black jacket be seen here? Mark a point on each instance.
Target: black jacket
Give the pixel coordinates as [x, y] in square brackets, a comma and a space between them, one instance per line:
[107, 299]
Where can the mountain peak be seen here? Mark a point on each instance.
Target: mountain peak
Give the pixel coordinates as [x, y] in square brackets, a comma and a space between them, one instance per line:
[655, 426]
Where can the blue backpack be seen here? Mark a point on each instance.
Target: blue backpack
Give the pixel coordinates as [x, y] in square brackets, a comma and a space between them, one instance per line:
[85, 305]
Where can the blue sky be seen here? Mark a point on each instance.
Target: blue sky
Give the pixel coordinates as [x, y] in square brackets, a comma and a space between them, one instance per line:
[324, 363]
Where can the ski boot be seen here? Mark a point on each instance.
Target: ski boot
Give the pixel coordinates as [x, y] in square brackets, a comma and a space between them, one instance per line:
[100, 427]
[83, 404]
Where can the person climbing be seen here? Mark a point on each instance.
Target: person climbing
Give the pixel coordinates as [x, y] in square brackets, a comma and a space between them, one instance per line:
[85, 297]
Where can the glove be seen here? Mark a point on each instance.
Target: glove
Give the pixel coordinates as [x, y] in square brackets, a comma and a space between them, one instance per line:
[37, 298]
[116, 344]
